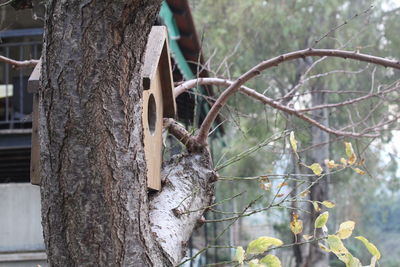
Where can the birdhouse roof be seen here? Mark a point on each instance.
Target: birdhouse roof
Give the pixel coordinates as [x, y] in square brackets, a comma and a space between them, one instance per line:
[157, 57]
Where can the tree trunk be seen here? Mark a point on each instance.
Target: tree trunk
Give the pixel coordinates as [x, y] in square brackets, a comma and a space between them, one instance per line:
[95, 205]
[319, 192]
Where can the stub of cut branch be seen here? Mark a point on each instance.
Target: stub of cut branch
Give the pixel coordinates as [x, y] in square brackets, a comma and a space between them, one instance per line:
[19, 64]
[255, 71]
[180, 133]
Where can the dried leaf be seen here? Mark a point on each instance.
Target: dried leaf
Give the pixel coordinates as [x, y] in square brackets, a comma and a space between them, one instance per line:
[359, 171]
[305, 193]
[352, 158]
[316, 206]
[282, 184]
[293, 143]
[296, 225]
[331, 164]
[265, 186]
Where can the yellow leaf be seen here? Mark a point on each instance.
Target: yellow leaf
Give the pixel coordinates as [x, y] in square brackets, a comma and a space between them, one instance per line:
[316, 168]
[271, 261]
[307, 237]
[321, 220]
[371, 247]
[261, 244]
[328, 204]
[296, 225]
[343, 161]
[359, 171]
[336, 245]
[293, 142]
[316, 206]
[352, 158]
[239, 255]
[345, 229]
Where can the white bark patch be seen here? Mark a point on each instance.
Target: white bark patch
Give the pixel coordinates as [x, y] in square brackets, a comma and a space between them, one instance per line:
[175, 210]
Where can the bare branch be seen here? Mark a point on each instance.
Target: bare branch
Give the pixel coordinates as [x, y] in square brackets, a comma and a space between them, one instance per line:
[351, 101]
[265, 100]
[20, 64]
[255, 71]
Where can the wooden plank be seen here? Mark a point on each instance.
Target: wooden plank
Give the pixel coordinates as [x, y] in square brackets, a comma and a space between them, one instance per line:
[34, 79]
[152, 130]
[23, 256]
[35, 149]
[155, 43]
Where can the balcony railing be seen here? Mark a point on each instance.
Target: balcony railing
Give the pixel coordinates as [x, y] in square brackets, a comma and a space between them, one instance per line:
[15, 101]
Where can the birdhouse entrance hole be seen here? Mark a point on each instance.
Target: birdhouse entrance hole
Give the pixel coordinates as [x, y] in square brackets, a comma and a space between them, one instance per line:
[152, 114]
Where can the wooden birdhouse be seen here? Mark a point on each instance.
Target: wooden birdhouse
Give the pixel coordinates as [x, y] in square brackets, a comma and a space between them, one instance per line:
[33, 87]
[158, 103]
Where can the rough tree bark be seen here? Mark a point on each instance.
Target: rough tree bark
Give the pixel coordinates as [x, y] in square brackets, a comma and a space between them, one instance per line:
[95, 204]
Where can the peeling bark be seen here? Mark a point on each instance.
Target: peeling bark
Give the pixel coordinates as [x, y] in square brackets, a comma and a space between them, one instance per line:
[187, 191]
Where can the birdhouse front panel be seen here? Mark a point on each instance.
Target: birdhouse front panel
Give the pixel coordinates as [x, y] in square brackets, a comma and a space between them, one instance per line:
[152, 127]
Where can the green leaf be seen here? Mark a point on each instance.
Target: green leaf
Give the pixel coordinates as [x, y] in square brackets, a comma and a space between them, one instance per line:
[371, 247]
[271, 261]
[349, 260]
[255, 263]
[239, 255]
[345, 229]
[316, 168]
[321, 220]
[261, 244]
[336, 245]
[328, 204]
